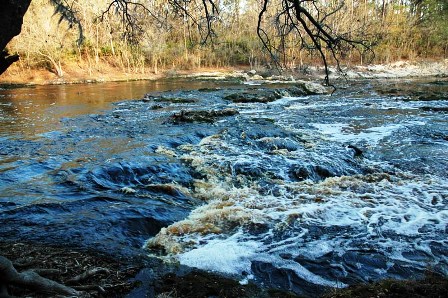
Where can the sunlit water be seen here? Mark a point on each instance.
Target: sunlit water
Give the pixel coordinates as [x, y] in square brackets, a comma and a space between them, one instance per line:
[278, 194]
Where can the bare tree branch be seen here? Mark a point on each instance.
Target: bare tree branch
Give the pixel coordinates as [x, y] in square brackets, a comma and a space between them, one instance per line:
[308, 21]
[67, 13]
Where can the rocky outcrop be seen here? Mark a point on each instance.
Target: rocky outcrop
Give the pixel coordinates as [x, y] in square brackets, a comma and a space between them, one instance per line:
[265, 95]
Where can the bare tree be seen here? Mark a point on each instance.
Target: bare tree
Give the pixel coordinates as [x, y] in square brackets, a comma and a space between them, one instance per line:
[307, 20]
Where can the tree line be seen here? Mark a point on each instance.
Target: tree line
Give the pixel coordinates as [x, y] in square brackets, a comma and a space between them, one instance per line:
[135, 36]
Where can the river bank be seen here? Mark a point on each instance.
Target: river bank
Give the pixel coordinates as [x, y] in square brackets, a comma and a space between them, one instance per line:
[75, 74]
[97, 274]
[81, 74]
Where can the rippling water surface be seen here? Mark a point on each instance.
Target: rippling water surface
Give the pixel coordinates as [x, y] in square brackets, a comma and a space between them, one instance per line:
[299, 193]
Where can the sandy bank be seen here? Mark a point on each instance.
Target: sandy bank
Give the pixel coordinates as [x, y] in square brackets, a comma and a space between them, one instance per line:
[76, 74]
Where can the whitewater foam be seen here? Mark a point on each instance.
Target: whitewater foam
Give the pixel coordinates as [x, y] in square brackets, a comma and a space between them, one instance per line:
[230, 255]
[361, 217]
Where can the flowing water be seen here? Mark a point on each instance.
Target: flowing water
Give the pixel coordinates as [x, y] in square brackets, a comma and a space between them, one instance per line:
[301, 193]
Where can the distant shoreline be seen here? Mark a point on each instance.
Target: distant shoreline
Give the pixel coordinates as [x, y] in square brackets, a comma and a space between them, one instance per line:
[76, 75]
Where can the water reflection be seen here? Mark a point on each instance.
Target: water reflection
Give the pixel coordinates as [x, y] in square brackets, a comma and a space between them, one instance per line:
[29, 111]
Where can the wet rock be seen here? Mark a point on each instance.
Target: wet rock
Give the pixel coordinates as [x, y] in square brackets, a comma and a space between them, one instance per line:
[313, 88]
[248, 169]
[156, 107]
[208, 116]
[295, 91]
[271, 144]
[356, 150]
[257, 95]
[323, 172]
[265, 95]
[315, 173]
[300, 172]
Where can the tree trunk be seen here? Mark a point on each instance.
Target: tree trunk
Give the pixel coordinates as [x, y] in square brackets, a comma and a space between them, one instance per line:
[6, 60]
[11, 18]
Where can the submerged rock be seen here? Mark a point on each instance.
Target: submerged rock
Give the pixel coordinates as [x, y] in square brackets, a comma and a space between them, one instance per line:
[209, 116]
[168, 99]
[434, 109]
[209, 89]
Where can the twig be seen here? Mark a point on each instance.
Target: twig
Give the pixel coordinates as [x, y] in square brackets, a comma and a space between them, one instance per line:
[90, 288]
[87, 274]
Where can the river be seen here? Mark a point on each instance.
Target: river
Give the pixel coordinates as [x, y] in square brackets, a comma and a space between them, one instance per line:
[300, 193]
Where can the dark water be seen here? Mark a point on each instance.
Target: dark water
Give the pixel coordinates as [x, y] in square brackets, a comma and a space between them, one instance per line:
[63, 164]
[301, 193]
